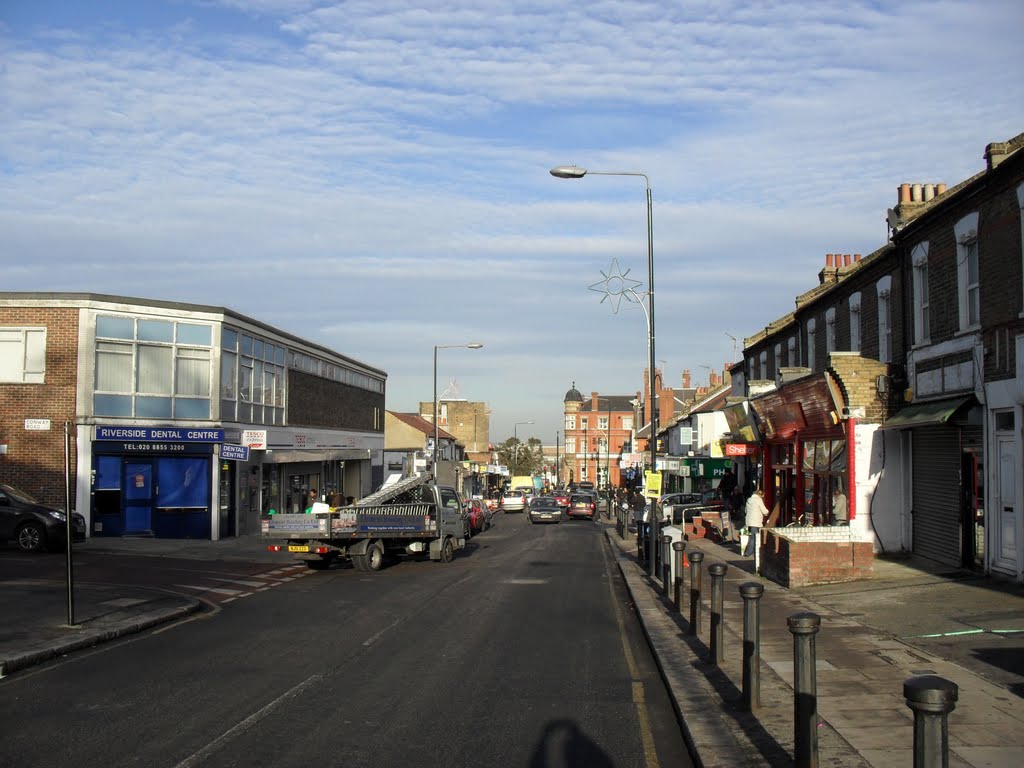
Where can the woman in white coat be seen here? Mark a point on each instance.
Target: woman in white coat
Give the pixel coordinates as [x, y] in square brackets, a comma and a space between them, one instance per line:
[756, 513]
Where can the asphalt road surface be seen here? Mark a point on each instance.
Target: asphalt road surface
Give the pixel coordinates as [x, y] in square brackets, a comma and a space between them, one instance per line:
[522, 652]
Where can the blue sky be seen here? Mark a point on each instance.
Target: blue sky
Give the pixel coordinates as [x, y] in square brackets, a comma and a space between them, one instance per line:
[373, 175]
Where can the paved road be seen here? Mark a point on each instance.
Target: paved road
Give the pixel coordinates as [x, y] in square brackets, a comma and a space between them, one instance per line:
[524, 651]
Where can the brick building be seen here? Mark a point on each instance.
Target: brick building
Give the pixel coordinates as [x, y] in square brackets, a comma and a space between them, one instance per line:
[184, 420]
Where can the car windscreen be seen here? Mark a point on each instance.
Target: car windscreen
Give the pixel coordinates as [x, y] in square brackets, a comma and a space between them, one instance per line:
[541, 501]
[18, 494]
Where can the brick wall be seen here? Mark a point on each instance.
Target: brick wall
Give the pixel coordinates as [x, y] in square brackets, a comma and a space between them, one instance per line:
[858, 377]
[35, 459]
[799, 557]
[325, 404]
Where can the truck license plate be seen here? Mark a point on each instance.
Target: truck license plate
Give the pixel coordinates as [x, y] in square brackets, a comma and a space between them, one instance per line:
[297, 548]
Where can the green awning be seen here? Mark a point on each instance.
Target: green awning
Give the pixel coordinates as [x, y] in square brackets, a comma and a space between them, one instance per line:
[922, 414]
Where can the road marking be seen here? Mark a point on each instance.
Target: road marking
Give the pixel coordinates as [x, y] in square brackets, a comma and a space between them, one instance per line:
[243, 582]
[198, 758]
[215, 590]
[639, 703]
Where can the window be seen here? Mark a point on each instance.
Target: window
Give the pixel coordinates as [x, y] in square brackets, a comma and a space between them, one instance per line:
[830, 330]
[791, 358]
[763, 361]
[778, 357]
[812, 325]
[919, 259]
[1020, 205]
[252, 385]
[570, 421]
[22, 355]
[602, 422]
[884, 288]
[570, 445]
[855, 322]
[149, 368]
[583, 422]
[966, 233]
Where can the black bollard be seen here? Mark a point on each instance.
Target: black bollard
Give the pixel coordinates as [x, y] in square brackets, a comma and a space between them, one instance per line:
[695, 560]
[931, 698]
[751, 592]
[677, 553]
[804, 626]
[666, 563]
[717, 572]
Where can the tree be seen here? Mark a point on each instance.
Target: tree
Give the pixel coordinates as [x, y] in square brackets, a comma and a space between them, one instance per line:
[521, 458]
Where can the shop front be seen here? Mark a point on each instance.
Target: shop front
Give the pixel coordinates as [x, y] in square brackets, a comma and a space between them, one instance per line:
[153, 481]
[812, 534]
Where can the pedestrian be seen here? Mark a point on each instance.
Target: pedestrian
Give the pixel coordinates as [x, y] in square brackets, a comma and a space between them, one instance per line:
[840, 507]
[756, 512]
[726, 484]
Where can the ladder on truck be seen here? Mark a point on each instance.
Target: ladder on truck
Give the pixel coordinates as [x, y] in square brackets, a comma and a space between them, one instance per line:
[391, 490]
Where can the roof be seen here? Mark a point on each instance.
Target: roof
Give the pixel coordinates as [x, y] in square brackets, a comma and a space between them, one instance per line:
[424, 426]
[573, 395]
[607, 403]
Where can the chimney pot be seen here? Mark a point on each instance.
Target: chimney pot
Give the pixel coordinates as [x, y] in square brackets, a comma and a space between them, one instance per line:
[828, 259]
[915, 193]
[856, 257]
[846, 259]
[929, 192]
[940, 189]
[904, 193]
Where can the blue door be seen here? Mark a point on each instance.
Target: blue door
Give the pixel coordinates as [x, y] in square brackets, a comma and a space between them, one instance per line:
[138, 496]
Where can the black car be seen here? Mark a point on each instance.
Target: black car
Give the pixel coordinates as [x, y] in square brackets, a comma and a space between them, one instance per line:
[545, 509]
[32, 525]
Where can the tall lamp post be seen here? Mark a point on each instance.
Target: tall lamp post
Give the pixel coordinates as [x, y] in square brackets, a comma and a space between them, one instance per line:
[574, 172]
[470, 345]
[515, 437]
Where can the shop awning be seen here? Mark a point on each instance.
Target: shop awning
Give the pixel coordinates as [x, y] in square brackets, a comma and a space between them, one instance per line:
[922, 414]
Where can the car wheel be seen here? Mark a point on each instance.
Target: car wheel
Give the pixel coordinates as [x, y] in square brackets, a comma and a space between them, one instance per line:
[31, 537]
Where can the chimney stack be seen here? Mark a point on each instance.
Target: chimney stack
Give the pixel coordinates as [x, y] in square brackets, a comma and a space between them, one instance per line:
[686, 379]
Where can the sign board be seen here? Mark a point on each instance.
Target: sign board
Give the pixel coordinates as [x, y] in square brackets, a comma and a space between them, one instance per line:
[652, 484]
[37, 425]
[255, 439]
[161, 434]
[234, 452]
[740, 449]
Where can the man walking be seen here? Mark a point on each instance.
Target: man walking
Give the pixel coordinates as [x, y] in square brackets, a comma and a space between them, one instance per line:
[756, 513]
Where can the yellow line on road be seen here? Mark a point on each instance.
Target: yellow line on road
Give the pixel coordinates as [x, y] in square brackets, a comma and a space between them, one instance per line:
[639, 703]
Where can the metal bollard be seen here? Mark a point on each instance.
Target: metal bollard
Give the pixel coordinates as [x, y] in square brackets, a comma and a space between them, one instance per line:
[751, 592]
[804, 626]
[931, 698]
[666, 564]
[717, 571]
[677, 553]
[696, 558]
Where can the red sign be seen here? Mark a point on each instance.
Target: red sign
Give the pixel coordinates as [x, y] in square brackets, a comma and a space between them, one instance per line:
[740, 449]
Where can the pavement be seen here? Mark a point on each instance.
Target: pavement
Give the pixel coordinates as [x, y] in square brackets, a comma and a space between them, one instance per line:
[865, 650]
[861, 663]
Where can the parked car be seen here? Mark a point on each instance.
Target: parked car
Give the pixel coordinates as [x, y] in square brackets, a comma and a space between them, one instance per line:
[562, 498]
[683, 507]
[479, 516]
[545, 509]
[32, 525]
[582, 505]
[513, 501]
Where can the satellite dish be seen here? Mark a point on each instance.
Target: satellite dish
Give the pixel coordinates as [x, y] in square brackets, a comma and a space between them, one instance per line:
[892, 218]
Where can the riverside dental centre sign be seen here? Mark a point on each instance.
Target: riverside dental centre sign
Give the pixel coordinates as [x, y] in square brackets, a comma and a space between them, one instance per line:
[161, 434]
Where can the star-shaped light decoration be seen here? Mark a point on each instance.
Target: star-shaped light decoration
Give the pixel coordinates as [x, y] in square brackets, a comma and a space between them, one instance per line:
[616, 285]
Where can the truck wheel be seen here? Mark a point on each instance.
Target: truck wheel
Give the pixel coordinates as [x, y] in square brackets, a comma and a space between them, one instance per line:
[374, 556]
[359, 562]
[447, 550]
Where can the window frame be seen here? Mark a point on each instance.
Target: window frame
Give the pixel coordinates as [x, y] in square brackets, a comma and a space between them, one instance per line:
[855, 327]
[966, 234]
[28, 344]
[884, 291]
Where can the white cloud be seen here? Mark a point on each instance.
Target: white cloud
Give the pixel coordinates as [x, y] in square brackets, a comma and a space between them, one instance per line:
[392, 159]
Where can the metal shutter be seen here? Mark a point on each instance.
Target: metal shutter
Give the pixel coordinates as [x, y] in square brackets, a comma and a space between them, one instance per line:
[936, 489]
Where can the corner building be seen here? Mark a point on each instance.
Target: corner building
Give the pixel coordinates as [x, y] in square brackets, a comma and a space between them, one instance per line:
[182, 420]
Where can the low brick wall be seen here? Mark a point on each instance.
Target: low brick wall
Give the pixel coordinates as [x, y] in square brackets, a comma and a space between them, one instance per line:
[799, 557]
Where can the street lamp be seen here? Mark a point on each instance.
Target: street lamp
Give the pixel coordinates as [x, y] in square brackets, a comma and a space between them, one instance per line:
[515, 437]
[471, 345]
[574, 172]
